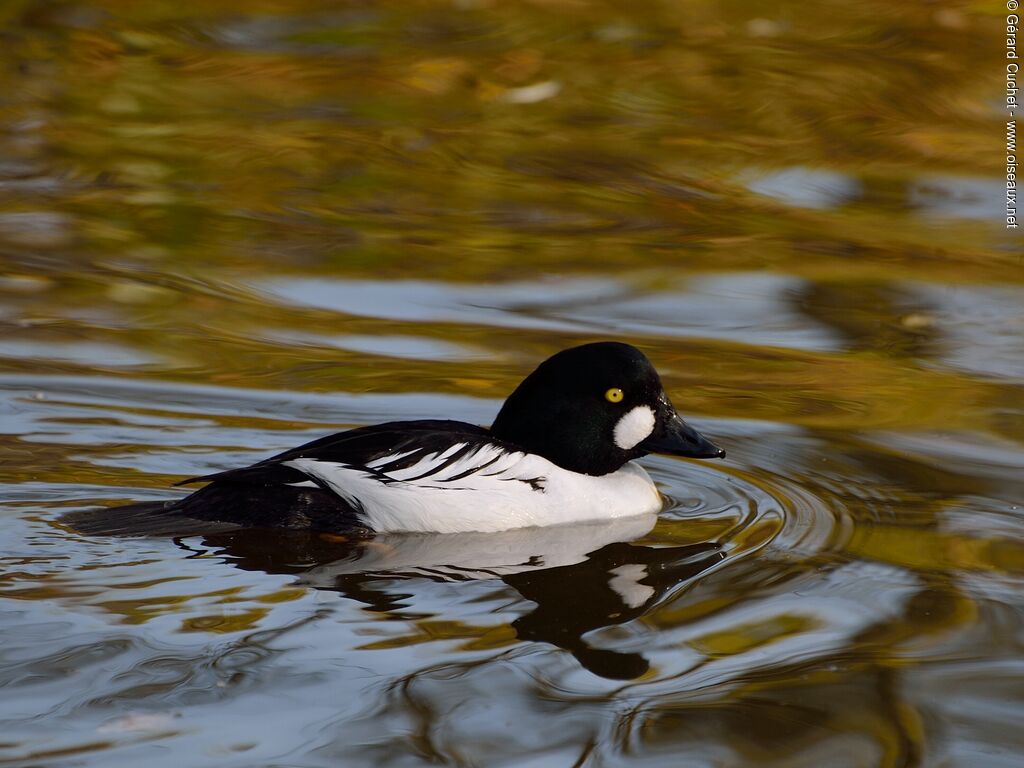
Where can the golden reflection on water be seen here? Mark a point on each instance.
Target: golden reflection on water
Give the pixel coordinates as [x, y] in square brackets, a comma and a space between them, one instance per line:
[223, 233]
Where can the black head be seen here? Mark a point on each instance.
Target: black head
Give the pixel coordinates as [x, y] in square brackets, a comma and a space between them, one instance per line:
[592, 408]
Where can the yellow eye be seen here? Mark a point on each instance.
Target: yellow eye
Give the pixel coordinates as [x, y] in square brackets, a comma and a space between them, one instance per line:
[614, 395]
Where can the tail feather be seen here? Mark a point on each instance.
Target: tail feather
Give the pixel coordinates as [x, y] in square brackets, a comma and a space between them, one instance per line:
[224, 506]
[147, 518]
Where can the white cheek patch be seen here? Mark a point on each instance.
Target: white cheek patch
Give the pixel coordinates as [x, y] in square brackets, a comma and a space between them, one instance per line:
[635, 427]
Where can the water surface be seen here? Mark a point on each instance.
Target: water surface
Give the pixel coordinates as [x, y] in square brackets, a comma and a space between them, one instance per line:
[225, 232]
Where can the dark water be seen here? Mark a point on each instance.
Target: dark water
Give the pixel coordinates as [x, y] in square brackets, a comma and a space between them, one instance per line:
[228, 230]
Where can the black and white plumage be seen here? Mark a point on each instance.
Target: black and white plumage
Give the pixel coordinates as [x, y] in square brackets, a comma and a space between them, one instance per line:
[561, 450]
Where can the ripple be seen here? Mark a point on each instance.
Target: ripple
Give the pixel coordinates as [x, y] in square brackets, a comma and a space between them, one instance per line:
[408, 347]
[758, 307]
[770, 500]
[807, 187]
[111, 355]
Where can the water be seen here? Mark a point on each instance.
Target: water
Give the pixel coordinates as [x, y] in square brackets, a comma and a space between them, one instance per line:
[223, 233]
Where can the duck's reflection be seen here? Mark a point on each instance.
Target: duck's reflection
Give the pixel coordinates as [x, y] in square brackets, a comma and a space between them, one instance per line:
[615, 584]
[581, 577]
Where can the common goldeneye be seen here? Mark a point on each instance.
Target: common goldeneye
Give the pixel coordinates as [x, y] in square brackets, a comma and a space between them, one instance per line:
[561, 450]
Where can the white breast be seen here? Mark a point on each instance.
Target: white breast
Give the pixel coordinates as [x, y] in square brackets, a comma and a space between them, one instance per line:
[489, 489]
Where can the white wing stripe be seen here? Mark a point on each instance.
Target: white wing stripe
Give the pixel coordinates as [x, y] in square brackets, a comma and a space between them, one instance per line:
[443, 467]
[425, 467]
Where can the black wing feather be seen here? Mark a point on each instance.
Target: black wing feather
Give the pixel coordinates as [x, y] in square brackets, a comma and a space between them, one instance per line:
[357, 447]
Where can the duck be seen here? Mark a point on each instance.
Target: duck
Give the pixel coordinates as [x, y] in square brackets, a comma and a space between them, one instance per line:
[563, 449]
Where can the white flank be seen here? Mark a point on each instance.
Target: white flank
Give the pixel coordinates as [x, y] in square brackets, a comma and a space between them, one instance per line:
[635, 427]
[502, 490]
